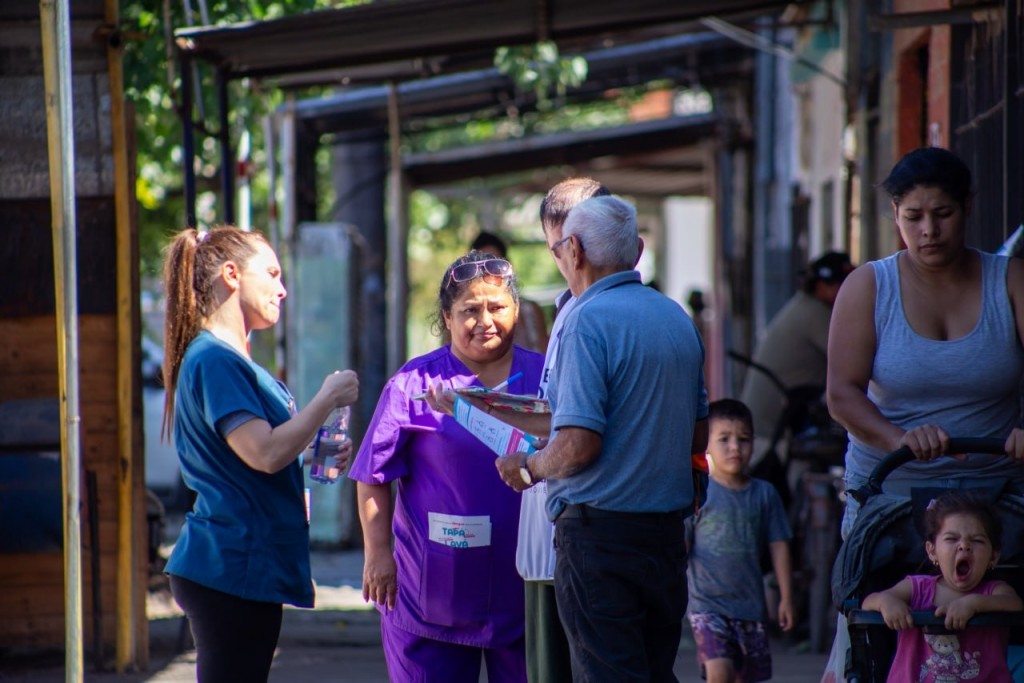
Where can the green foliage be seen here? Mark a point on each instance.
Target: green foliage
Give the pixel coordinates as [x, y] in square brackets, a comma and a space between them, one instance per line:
[540, 69]
[441, 225]
[153, 85]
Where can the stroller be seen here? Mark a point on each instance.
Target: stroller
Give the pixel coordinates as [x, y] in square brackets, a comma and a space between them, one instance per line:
[887, 543]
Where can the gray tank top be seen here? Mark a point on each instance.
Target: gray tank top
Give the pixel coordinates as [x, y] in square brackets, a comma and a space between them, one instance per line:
[968, 386]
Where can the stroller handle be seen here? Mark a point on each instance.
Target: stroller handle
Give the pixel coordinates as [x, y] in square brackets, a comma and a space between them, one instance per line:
[903, 455]
[933, 624]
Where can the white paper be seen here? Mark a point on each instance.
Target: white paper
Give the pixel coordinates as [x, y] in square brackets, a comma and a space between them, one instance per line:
[459, 531]
[501, 438]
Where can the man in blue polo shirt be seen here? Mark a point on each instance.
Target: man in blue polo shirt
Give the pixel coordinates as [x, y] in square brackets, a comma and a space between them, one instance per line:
[629, 407]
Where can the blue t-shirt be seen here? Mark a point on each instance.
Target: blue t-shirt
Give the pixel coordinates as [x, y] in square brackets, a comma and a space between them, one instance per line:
[730, 533]
[630, 368]
[247, 534]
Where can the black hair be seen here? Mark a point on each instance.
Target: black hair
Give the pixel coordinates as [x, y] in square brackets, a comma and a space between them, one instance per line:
[731, 409]
[450, 290]
[489, 239]
[962, 503]
[929, 167]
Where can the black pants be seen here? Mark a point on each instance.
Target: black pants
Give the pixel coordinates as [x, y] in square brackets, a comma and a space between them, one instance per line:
[620, 581]
[235, 638]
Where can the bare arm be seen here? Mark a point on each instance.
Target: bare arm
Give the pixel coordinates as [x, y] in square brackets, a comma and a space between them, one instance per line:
[783, 566]
[958, 612]
[851, 356]
[380, 574]
[271, 449]
[894, 604]
[1015, 290]
[537, 424]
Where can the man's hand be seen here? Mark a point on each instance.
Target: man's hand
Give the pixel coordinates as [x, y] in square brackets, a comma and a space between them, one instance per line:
[508, 468]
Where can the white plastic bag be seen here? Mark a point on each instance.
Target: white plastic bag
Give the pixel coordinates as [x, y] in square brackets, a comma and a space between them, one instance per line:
[835, 669]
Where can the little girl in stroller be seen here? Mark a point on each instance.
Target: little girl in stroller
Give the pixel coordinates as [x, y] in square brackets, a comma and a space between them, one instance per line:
[963, 541]
[896, 536]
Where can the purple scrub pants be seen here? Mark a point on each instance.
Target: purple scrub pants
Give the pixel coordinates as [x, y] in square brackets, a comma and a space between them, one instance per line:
[415, 659]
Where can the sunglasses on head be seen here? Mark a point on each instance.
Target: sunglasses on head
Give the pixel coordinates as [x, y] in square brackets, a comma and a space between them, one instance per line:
[496, 267]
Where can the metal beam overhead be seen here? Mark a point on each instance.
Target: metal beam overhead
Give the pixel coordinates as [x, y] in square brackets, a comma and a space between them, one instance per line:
[396, 30]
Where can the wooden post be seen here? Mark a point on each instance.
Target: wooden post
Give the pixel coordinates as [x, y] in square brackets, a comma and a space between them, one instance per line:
[55, 22]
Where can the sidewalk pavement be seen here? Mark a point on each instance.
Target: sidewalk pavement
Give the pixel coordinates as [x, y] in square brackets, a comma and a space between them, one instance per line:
[337, 641]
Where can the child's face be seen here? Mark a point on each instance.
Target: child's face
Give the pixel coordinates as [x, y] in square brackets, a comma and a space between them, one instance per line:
[963, 550]
[730, 446]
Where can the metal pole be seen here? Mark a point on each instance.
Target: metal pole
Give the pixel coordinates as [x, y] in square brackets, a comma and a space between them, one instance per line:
[188, 143]
[132, 627]
[56, 34]
[1011, 119]
[270, 125]
[227, 158]
[286, 229]
[397, 268]
[244, 192]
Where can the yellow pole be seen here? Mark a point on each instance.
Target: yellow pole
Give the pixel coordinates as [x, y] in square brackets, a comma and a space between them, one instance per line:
[132, 627]
[56, 33]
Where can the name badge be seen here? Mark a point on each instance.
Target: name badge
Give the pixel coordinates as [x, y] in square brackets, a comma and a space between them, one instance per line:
[458, 531]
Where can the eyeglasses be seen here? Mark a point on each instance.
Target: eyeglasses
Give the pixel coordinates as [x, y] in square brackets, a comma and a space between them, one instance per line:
[554, 247]
[496, 267]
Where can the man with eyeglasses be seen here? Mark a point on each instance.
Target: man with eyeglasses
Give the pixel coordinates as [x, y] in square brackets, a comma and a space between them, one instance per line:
[547, 648]
[629, 407]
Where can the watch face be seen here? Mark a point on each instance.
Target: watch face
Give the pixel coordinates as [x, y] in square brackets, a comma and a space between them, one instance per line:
[525, 474]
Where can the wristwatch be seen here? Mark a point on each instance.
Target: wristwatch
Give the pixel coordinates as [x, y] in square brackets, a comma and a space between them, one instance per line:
[524, 472]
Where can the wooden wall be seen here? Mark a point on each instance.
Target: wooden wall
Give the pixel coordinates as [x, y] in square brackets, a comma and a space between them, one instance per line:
[32, 581]
[32, 595]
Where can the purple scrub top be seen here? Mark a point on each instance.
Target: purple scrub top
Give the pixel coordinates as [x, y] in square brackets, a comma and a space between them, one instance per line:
[458, 587]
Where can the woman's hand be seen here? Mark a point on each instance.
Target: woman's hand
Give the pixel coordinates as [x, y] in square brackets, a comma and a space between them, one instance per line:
[927, 442]
[339, 449]
[440, 399]
[380, 578]
[341, 388]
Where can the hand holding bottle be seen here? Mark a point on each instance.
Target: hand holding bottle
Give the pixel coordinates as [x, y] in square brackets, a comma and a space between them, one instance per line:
[332, 448]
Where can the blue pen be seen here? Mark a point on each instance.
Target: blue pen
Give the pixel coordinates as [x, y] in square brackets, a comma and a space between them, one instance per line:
[504, 384]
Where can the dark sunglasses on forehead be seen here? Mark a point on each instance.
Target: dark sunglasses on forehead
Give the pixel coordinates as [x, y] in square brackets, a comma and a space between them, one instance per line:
[467, 271]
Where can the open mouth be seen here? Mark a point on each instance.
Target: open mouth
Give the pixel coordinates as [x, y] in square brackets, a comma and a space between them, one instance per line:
[963, 569]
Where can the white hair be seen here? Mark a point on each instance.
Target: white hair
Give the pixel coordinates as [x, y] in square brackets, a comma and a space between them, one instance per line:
[606, 228]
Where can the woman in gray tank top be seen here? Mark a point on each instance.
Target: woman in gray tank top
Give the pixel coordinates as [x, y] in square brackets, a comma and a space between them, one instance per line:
[925, 345]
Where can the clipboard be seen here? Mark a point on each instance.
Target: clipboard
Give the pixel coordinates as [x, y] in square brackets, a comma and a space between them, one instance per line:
[501, 438]
[499, 400]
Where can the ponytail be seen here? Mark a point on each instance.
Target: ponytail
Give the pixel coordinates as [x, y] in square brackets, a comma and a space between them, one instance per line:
[191, 263]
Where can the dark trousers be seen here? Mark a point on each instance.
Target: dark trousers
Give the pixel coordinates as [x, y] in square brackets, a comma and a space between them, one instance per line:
[235, 638]
[547, 649]
[620, 581]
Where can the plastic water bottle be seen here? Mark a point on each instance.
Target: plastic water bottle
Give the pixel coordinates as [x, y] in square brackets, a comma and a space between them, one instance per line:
[325, 468]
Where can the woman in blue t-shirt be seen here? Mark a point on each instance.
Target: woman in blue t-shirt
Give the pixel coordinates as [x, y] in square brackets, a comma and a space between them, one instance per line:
[244, 548]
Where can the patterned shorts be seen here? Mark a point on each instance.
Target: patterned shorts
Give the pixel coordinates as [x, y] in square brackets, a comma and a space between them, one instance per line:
[743, 642]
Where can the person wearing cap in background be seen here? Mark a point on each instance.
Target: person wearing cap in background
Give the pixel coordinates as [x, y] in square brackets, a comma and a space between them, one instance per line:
[793, 347]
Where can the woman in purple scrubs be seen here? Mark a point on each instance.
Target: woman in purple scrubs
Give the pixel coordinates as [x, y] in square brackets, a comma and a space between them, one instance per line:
[448, 593]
